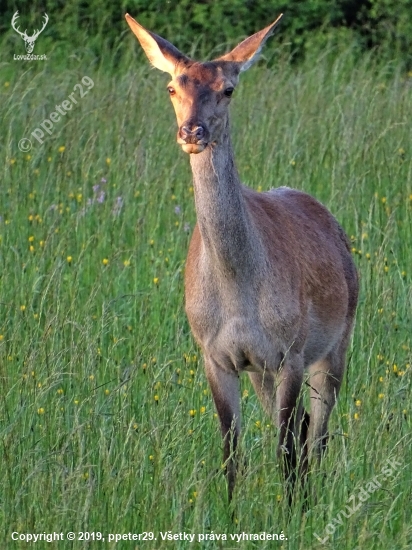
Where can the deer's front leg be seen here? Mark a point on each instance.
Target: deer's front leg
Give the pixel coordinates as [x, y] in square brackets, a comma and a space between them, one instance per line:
[224, 385]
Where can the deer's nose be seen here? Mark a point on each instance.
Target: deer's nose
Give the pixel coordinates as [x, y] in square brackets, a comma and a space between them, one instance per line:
[192, 133]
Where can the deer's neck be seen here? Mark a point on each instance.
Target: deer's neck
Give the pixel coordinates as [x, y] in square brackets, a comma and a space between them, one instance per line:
[227, 231]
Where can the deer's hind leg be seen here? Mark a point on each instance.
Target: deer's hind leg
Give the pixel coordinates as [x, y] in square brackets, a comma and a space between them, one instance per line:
[325, 379]
[280, 395]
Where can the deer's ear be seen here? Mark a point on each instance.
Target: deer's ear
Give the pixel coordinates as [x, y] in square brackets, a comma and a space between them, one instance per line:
[161, 53]
[247, 52]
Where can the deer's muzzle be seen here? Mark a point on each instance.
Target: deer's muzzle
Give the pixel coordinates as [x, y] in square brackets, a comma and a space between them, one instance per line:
[192, 137]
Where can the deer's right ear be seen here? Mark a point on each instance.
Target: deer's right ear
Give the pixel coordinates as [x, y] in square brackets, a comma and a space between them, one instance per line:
[161, 53]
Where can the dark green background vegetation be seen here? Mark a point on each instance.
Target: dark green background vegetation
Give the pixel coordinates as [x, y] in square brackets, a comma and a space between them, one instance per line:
[98, 25]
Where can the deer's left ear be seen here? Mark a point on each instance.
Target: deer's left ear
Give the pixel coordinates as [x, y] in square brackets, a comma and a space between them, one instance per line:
[247, 52]
[161, 53]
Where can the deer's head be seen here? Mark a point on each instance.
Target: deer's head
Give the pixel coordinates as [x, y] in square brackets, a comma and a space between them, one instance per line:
[200, 92]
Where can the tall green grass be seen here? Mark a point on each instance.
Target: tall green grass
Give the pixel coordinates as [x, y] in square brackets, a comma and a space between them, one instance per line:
[106, 420]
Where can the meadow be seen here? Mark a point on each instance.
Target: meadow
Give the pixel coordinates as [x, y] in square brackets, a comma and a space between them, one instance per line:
[107, 424]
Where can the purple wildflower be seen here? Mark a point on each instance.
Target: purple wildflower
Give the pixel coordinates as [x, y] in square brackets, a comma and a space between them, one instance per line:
[100, 198]
[118, 206]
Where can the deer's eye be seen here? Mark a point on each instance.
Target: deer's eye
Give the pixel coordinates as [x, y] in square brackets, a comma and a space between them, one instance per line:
[171, 90]
[228, 92]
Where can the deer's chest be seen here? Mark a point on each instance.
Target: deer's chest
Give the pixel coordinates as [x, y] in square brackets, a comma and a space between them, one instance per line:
[242, 326]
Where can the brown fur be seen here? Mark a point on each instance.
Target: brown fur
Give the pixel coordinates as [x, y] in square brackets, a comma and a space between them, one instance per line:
[271, 288]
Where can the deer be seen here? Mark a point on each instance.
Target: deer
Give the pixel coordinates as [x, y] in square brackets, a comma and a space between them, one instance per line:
[29, 41]
[271, 288]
